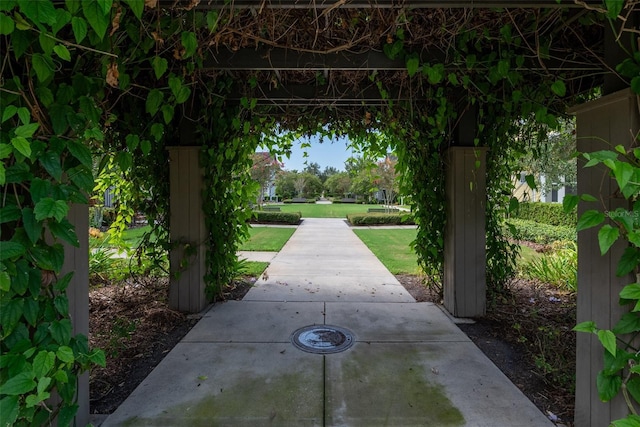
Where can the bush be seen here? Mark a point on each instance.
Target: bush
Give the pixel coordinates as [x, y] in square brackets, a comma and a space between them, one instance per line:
[380, 219]
[559, 268]
[287, 201]
[336, 201]
[520, 229]
[546, 213]
[263, 217]
[311, 201]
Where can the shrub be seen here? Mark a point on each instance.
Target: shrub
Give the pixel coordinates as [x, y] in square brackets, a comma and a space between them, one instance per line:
[520, 229]
[262, 217]
[546, 213]
[336, 201]
[287, 201]
[311, 201]
[380, 219]
[559, 267]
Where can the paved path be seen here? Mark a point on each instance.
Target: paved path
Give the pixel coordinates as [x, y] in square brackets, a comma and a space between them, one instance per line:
[409, 365]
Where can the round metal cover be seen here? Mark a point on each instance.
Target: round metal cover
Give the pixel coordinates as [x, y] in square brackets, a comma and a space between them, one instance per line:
[322, 339]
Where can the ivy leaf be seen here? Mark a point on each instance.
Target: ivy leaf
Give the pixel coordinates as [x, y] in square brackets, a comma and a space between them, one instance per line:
[9, 409]
[614, 7]
[30, 310]
[629, 260]
[67, 414]
[167, 113]
[5, 281]
[22, 146]
[61, 331]
[10, 213]
[589, 219]
[588, 326]
[80, 152]
[50, 208]
[628, 323]
[154, 100]
[96, 16]
[413, 63]
[9, 112]
[631, 420]
[80, 28]
[137, 7]
[558, 87]
[157, 130]
[32, 227]
[27, 131]
[183, 95]
[608, 386]
[65, 232]
[61, 303]
[6, 26]
[570, 202]
[42, 64]
[212, 20]
[10, 250]
[51, 162]
[190, 43]
[43, 363]
[41, 11]
[62, 52]
[20, 384]
[145, 146]
[608, 340]
[160, 66]
[607, 236]
[65, 354]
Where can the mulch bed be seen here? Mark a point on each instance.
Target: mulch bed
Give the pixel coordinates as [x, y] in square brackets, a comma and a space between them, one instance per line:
[527, 334]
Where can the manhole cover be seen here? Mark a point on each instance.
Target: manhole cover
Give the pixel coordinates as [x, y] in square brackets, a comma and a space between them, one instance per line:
[322, 339]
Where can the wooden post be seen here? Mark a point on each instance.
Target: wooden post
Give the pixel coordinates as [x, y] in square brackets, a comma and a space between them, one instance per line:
[76, 260]
[601, 125]
[187, 231]
[465, 238]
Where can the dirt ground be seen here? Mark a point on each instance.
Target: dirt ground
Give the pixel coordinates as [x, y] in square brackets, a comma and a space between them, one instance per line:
[526, 333]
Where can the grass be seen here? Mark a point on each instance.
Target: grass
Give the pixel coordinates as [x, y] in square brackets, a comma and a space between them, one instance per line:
[339, 210]
[528, 255]
[393, 248]
[253, 268]
[267, 238]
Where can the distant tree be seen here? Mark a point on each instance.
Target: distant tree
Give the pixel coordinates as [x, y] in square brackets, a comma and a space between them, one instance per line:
[312, 186]
[312, 168]
[387, 179]
[285, 184]
[360, 172]
[338, 184]
[327, 172]
[264, 170]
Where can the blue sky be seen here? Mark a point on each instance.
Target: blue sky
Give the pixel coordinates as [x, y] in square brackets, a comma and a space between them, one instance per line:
[328, 153]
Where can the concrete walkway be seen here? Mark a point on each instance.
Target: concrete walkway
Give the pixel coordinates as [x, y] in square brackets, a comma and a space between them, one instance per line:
[409, 365]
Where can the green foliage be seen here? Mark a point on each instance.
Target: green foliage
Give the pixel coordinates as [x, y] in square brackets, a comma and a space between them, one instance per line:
[393, 248]
[546, 213]
[381, 219]
[559, 267]
[531, 231]
[267, 238]
[263, 217]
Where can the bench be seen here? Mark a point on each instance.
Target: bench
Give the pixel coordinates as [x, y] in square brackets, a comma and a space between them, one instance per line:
[271, 208]
[382, 210]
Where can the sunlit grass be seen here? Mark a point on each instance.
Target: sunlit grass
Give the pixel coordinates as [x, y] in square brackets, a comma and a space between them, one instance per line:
[393, 248]
[338, 210]
[267, 238]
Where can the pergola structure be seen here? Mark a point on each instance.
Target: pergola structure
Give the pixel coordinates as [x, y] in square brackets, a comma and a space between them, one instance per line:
[613, 118]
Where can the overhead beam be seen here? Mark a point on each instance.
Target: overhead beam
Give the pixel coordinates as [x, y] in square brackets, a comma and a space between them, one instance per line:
[268, 59]
[379, 4]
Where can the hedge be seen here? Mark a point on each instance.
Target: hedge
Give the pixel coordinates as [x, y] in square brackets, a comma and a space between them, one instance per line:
[546, 213]
[263, 217]
[380, 219]
[536, 232]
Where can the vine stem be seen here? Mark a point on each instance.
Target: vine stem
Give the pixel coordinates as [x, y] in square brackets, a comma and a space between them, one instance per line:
[79, 46]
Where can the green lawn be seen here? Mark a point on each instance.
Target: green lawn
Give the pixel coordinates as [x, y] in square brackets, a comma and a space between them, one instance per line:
[339, 210]
[392, 247]
[267, 238]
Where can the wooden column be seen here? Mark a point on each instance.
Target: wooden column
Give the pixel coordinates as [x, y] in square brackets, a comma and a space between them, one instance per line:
[601, 125]
[76, 260]
[465, 238]
[187, 231]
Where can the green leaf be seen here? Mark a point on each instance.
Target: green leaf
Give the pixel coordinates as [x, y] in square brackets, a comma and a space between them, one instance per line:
[570, 202]
[5, 281]
[167, 113]
[631, 421]
[43, 363]
[62, 52]
[9, 409]
[608, 386]
[30, 310]
[5, 150]
[61, 331]
[32, 227]
[10, 250]
[183, 95]
[531, 181]
[559, 88]
[137, 7]
[20, 384]
[41, 11]
[8, 112]
[145, 146]
[608, 340]
[190, 43]
[65, 232]
[628, 323]
[157, 130]
[212, 20]
[65, 354]
[629, 260]
[154, 100]
[614, 7]
[589, 327]
[97, 18]
[51, 162]
[413, 64]
[6, 26]
[80, 152]
[80, 28]
[10, 213]
[27, 131]
[43, 65]
[631, 292]
[589, 219]
[588, 198]
[21, 145]
[67, 414]
[607, 236]
[160, 66]
[61, 303]
[50, 208]
[623, 173]
[124, 160]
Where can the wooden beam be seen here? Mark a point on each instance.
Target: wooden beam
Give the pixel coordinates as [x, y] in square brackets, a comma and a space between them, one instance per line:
[379, 4]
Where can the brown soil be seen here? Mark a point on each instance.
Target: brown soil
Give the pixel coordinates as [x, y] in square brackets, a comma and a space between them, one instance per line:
[527, 334]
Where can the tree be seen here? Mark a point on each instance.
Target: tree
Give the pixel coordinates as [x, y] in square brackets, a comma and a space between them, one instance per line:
[312, 168]
[312, 186]
[285, 184]
[299, 184]
[387, 179]
[327, 172]
[338, 184]
[263, 171]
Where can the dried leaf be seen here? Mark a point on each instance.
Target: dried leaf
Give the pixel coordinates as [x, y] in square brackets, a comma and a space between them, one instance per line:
[151, 4]
[112, 75]
[115, 23]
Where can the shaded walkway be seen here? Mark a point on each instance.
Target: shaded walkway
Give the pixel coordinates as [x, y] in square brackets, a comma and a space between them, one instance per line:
[409, 366]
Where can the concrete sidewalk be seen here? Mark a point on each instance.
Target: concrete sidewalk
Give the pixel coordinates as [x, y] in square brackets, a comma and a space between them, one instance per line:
[409, 364]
